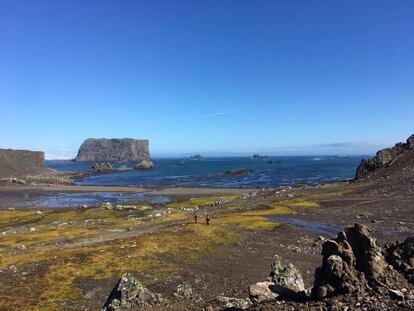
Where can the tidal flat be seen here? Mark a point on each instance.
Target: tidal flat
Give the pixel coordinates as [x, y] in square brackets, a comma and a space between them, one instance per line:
[70, 258]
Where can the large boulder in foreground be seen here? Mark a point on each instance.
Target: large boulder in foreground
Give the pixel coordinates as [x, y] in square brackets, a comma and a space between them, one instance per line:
[130, 294]
[19, 163]
[287, 279]
[285, 282]
[384, 158]
[350, 263]
[124, 150]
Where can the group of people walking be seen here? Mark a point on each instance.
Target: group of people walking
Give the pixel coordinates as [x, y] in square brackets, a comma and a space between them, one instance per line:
[207, 218]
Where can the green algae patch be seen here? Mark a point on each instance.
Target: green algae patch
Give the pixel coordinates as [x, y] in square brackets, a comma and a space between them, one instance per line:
[292, 203]
[246, 222]
[201, 201]
[255, 219]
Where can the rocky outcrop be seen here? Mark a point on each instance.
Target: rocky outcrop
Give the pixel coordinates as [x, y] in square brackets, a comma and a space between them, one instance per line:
[384, 158]
[102, 167]
[18, 163]
[401, 257]
[130, 294]
[350, 263]
[125, 150]
[145, 165]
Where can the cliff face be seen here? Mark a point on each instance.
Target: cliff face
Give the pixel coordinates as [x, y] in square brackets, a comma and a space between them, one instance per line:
[125, 150]
[19, 163]
[387, 159]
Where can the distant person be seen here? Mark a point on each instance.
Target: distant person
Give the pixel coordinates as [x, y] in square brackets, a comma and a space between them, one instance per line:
[207, 219]
[195, 217]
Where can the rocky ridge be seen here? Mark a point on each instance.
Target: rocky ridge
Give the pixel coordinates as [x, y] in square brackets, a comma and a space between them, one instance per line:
[384, 158]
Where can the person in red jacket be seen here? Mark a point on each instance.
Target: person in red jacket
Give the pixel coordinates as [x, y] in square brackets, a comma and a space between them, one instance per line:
[207, 219]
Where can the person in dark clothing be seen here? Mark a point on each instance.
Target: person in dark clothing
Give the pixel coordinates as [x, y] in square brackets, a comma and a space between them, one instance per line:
[207, 219]
[195, 217]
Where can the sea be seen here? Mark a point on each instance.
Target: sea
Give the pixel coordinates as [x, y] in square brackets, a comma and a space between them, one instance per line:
[264, 172]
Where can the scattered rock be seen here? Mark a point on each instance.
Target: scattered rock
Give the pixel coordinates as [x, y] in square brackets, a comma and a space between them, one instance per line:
[145, 164]
[262, 292]
[102, 167]
[130, 294]
[237, 172]
[107, 205]
[236, 303]
[185, 292]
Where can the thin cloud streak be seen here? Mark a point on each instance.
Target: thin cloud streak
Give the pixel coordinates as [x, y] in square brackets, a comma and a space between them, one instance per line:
[217, 114]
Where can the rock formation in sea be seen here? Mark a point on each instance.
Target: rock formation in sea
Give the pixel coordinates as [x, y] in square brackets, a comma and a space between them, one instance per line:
[19, 163]
[124, 150]
[385, 158]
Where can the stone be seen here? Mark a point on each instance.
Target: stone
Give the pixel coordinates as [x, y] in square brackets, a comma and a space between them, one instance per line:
[262, 292]
[124, 150]
[145, 164]
[107, 205]
[102, 167]
[130, 294]
[287, 279]
[236, 303]
[185, 291]
[396, 294]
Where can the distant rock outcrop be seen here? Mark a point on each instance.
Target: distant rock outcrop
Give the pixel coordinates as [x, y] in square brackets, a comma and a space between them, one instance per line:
[18, 163]
[145, 164]
[384, 158]
[125, 150]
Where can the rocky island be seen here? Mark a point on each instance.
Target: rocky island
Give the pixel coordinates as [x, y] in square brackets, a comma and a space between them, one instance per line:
[123, 150]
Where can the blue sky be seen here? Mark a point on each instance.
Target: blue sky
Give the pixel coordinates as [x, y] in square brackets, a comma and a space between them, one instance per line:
[212, 77]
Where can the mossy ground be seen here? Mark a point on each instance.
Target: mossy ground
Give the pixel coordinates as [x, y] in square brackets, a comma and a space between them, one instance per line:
[97, 245]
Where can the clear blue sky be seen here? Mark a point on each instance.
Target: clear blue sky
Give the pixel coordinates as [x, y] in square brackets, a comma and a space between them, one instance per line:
[215, 77]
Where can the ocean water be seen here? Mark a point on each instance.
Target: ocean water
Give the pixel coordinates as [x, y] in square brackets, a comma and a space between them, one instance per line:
[208, 172]
[62, 199]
